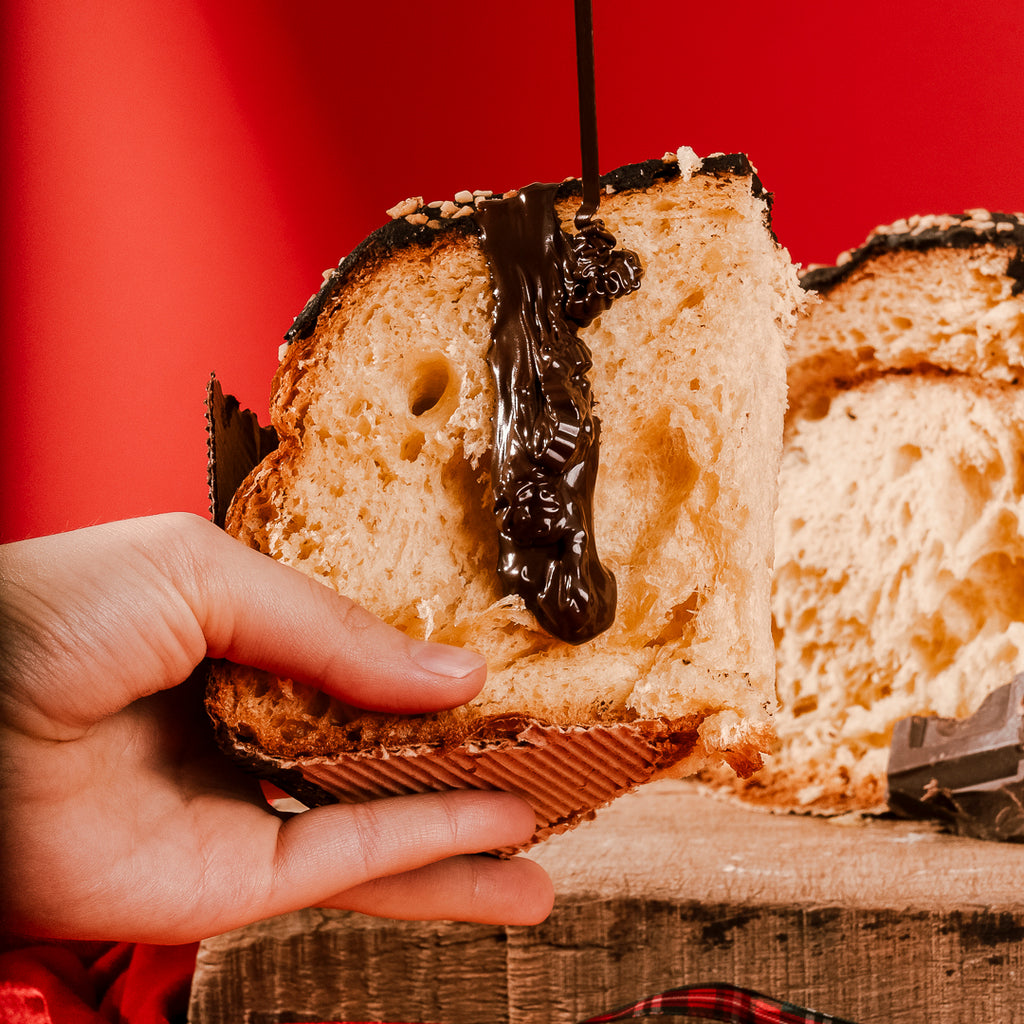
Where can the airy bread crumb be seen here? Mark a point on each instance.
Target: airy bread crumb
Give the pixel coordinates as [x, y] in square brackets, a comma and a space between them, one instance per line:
[899, 573]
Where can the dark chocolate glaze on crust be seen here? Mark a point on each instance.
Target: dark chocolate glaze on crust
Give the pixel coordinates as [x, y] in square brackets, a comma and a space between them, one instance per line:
[962, 235]
[400, 234]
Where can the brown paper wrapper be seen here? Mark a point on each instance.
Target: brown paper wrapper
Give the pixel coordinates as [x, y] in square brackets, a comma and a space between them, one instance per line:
[235, 445]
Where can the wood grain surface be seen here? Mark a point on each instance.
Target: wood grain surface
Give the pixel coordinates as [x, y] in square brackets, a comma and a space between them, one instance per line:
[878, 921]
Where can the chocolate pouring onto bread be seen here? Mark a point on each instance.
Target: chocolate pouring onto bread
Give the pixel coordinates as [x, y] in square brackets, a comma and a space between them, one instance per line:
[381, 488]
[899, 576]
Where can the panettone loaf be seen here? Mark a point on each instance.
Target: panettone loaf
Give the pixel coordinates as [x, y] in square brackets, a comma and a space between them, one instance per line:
[899, 573]
[380, 488]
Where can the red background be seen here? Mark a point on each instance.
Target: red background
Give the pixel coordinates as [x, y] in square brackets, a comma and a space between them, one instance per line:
[177, 175]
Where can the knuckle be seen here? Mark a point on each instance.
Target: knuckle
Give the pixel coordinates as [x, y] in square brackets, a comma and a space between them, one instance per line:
[451, 820]
[369, 842]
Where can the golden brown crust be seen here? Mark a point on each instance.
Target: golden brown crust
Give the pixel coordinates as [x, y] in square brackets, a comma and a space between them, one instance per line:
[307, 724]
[813, 789]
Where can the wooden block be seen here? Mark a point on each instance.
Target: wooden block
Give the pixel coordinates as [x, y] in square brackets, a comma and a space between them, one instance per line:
[881, 922]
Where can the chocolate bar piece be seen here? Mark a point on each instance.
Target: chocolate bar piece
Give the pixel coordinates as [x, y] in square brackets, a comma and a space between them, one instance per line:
[968, 773]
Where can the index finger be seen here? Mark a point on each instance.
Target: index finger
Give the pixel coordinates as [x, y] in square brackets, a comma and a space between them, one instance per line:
[256, 611]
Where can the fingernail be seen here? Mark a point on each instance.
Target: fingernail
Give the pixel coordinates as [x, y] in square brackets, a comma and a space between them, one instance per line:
[446, 660]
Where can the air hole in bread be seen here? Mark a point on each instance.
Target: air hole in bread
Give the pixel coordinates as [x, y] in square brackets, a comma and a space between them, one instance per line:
[412, 446]
[244, 731]
[695, 298]
[1006, 655]
[293, 730]
[317, 703]
[340, 714]
[805, 705]
[817, 408]
[994, 592]
[262, 684]
[680, 617]
[983, 480]
[384, 473]
[471, 496]
[308, 547]
[429, 385]
[807, 618]
[933, 648]
[906, 456]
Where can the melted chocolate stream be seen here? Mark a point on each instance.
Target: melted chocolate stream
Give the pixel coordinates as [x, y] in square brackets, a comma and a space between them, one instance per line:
[547, 285]
[587, 112]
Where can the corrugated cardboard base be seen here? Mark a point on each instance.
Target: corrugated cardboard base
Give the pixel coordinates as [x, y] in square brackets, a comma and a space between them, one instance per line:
[882, 922]
[563, 773]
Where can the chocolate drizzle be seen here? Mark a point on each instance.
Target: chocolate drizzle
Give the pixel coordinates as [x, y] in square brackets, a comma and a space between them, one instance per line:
[548, 284]
[544, 463]
[585, 78]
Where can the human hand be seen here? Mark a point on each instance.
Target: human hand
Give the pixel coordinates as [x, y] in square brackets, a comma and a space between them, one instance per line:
[118, 816]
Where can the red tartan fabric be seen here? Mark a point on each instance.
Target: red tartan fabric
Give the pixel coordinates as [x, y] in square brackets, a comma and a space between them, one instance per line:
[717, 1002]
[94, 983]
